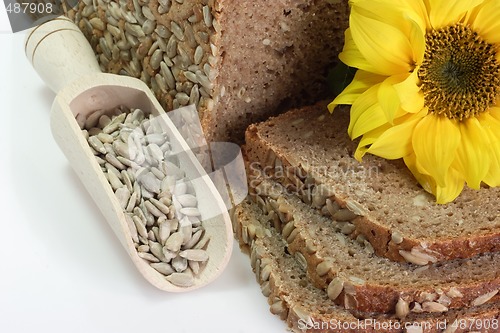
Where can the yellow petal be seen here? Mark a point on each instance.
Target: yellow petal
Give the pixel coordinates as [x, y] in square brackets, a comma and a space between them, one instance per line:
[417, 40]
[435, 141]
[445, 12]
[384, 46]
[418, 13]
[495, 113]
[367, 121]
[368, 139]
[392, 12]
[351, 56]
[487, 21]
[410, 96]
[396, 142]
[366, 113]
[473, 158]
[491, 127]
[363, 104]
[444, 194]
[361, 82]
[388, 97]
[452, 189]
[426, 181]
[408, 18]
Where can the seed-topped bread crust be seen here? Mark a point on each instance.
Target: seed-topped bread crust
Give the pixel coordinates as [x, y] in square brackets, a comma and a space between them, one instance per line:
[308, 150]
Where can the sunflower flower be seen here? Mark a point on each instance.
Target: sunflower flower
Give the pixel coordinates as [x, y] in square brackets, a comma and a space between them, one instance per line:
[427, 88]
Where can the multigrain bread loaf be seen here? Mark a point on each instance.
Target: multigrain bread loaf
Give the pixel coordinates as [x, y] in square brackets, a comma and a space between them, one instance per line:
[357, 279]
[306, 308]
[238, 61]
[309, 151]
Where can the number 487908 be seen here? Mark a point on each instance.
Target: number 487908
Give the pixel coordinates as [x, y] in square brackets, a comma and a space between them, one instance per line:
[29, 8]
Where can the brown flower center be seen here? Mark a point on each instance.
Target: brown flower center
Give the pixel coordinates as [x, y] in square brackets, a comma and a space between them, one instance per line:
[460, 73]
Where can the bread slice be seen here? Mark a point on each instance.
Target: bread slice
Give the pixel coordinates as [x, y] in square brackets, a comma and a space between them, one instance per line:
[358, 279]
[306, 308]
[309, 151]
[238, 61]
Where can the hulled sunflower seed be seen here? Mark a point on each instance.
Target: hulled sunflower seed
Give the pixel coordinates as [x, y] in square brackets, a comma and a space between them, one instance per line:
[148, 26]
[207, 16]
[265, 287]
[97, 144]
[454, 293]
[156, 250]
[186, 229]
[344, 215]
[143, 248]
[156, 59]
[179, 263]
[265, 273]
[434, 307]
[181, 279]
[324, 267]
[402, 308]
[146, 11]
[409, 257]
[152, 209]
[396, 237]
[190, 211]
[277, 308]
[114, 181]
[335, 288]
[303, 315]
[194, 266]
[148, 256]
[177, 31]
[150, 182]
[114, 161]
[287, 229]
[132, 228]
[194, 240]
[134, 29]
[141, 228]
[187, 200]
[198, 55]
[194, 255]
[348, 228]
[163, 268]
[484, 298]
[174, 242]
[123, 196]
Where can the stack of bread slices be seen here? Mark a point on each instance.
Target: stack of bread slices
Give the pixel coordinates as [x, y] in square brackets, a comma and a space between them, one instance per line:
[337, 245]
[345, 246]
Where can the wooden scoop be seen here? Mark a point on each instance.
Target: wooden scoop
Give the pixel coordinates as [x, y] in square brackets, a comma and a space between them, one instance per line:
[65, 61]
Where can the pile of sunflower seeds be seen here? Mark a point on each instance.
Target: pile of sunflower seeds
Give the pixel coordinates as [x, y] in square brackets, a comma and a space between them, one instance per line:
[176, 57]
[158, 200]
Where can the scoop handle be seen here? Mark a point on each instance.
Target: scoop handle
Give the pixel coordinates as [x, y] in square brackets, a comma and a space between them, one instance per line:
[60, 53]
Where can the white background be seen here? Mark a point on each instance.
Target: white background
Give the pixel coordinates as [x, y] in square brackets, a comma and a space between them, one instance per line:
[61, 267]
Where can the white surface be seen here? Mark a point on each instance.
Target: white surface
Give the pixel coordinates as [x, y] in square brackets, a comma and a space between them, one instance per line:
[63, 270]
[4, 21]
